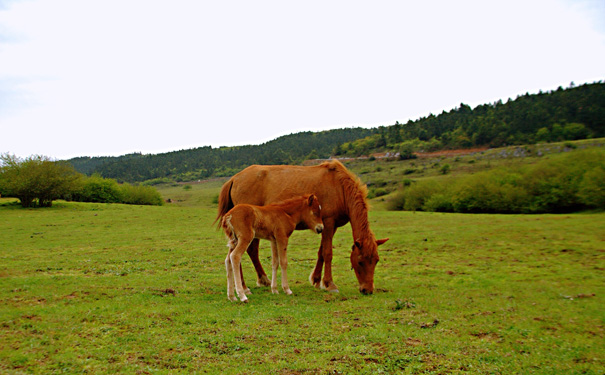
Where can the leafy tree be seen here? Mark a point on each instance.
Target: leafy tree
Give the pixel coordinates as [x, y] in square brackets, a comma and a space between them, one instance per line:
[36, 180]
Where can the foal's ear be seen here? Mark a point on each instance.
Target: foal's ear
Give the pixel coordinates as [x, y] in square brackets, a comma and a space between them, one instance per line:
[311, 199]
[380, 242]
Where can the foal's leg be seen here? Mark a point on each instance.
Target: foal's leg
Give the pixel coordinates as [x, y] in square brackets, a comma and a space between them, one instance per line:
[274, 265]
[230, 279]
[282, 246]
[236, 258]
[230, 276]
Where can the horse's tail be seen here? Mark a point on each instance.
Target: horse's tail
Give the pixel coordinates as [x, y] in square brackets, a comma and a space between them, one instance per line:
[224, 202]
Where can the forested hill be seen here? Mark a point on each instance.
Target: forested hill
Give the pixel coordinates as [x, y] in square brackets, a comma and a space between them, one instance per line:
[204, 162]
[563, 114]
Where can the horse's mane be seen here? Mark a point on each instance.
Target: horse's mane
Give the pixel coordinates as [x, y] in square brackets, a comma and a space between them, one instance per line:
[355, 195]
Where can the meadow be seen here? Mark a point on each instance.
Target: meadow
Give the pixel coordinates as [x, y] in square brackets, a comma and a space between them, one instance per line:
[110, 288]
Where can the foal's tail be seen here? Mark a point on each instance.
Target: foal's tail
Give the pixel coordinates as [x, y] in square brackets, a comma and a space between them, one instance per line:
[224, 203]
[229, 232]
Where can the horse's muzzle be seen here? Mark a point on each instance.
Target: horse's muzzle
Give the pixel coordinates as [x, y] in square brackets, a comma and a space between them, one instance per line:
[367, 289]
[319, 228]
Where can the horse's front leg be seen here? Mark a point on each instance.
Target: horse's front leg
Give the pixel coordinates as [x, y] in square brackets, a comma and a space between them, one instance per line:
[324, 257]
[262, 279]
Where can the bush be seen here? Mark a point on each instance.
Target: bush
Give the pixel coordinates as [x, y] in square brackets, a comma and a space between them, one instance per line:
[564, 183]
[99, 190]
[143, 195]
[36, 181]
[592, 188]
[105, 190]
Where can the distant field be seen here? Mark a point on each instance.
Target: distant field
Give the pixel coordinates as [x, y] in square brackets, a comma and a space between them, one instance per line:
[112, 288]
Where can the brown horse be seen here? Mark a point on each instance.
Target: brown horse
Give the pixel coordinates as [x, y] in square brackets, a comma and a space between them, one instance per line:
[275, 222]
[343, 199]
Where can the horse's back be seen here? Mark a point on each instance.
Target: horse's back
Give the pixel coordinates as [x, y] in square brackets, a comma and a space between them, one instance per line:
[266, 184]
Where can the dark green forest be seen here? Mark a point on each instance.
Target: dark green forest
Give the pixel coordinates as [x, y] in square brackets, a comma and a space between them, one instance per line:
[205, 162]
[577, 112]
[563, 114]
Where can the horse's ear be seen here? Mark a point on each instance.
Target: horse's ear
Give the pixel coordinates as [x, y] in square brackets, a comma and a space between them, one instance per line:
[380, 242]
[311, 198]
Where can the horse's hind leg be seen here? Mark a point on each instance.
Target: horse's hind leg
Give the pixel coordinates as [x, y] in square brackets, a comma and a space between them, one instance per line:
[262, 279]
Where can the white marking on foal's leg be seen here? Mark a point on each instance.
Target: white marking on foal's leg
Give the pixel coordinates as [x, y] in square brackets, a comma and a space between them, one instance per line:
[230, 279]
[235, 264]
[283, 260]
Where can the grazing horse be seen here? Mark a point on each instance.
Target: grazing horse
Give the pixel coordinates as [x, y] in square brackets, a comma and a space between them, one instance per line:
[275, 222]
[343, 199]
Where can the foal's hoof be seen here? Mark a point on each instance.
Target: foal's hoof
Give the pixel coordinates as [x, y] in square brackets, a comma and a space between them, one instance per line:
[247, 291]
[274, 291]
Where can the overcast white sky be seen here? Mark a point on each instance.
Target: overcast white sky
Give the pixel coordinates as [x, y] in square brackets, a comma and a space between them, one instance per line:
[110, 77]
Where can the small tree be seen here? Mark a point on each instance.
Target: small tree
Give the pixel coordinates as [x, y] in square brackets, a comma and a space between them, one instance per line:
[36, 180]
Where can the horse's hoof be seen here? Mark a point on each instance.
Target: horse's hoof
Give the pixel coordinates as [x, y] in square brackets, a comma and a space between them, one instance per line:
[288, 292]
[232, 299]
[331, 287]
[247, 291]
[274, 291]
[314, 282]
[263, 281]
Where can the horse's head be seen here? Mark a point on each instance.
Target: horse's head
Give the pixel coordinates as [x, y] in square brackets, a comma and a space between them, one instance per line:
[364, 257]
[312, 216]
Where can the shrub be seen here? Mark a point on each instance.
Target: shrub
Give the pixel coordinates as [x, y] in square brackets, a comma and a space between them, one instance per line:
[592, 188]
[99, 190]
[36, 180]
[564, 183]
[445, 169]
[143, 195]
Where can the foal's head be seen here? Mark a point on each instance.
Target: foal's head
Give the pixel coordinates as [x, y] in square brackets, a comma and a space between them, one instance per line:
[311, 214]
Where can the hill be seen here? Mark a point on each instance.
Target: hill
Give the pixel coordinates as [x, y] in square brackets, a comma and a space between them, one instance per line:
[564, 114]
[204, 162]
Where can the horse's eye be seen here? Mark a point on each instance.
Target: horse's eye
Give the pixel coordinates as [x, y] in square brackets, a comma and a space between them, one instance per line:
[360, 264]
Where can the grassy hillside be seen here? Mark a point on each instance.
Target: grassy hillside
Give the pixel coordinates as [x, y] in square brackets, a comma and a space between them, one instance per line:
[112, 288]
[385, 177]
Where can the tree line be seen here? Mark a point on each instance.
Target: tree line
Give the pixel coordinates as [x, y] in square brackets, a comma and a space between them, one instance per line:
[205, 162]
[563, 114]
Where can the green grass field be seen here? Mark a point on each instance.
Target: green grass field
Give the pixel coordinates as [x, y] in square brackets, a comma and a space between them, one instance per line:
[95, 288]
